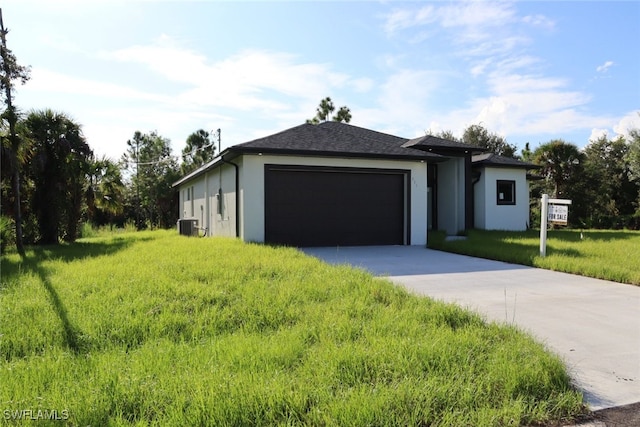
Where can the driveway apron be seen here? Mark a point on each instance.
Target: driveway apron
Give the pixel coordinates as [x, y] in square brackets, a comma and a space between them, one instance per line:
[594, 325]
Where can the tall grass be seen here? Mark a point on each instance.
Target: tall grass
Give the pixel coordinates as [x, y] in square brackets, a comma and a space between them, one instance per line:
[88, 230]
[603, 254]
[153, 328]
[7, 232]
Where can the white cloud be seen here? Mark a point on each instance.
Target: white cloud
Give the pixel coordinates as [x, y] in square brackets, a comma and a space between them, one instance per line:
[405, 98]
[197, 92]
[164, 57]
[618, 127]
[401, 19]
[251, 79]
[597, 133]
[604, 67]
[472, 15]
[476, 14]
[474, 28]
[363, 84]
[44, 80]
[539, 20]
[627, 123]
[108, 129]
[511, 94]
[507, 83]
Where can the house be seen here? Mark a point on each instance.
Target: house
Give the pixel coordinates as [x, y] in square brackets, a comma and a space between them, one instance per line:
[336, 184]
[501, 192]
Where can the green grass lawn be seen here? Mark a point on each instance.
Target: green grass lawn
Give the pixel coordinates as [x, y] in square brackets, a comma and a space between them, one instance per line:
[603, 254]
[153, 328]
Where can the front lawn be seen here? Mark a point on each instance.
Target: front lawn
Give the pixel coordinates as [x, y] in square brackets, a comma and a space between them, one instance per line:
[157, 329]
[603, 254]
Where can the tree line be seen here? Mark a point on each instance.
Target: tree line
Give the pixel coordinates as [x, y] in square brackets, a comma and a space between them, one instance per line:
[62, 184]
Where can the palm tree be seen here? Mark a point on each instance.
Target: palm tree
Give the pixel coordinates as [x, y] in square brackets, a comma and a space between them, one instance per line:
[13, 158]
[105, 193]
[59, 167]
[560, 162]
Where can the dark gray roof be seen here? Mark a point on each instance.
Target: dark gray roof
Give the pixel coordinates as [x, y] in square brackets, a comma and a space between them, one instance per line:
[491, 159]
[331, 139]
[334, 139]
[434, 143]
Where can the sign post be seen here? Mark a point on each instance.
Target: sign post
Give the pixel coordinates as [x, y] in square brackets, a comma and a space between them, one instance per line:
[555, 211]
[543, 224]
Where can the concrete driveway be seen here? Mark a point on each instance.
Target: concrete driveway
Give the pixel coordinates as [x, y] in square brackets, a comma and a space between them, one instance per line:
[594, 325]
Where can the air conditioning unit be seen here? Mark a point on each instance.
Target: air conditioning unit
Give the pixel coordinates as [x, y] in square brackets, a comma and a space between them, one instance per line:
[188, 227]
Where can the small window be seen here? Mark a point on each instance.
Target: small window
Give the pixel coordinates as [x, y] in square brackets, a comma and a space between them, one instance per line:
[506, 192]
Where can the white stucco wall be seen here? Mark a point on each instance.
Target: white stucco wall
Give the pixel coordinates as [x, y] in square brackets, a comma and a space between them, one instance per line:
[489, 215]
[222, 204]
[203, 205]
[479, 202]
[252, 189]
[451, 195]
[193, 204]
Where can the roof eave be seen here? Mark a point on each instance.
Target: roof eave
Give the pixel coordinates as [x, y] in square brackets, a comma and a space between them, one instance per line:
[503, 165]
[223, 157]
[445, 146]
[324, 153]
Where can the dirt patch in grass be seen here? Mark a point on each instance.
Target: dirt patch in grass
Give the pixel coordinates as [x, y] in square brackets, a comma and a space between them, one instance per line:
[620, 416]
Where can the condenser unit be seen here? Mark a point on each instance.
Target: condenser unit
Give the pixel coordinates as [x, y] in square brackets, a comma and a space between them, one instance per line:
[188, 227]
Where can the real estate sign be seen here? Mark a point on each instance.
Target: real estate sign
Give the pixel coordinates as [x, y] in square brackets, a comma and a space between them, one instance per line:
[558, 214]
[555, 211]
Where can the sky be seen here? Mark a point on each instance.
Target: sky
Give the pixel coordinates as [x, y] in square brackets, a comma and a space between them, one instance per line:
[530, 71]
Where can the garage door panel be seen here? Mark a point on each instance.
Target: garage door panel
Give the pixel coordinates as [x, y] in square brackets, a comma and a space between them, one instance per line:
[311, 207]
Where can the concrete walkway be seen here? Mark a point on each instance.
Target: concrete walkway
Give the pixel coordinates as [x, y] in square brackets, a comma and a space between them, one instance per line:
[594, 325]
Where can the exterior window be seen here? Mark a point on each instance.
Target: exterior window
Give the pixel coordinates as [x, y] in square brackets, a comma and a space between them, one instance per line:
[506, 192]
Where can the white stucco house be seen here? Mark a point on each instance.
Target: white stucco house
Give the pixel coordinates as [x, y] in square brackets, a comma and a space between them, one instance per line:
[500, 192]
[336, 184]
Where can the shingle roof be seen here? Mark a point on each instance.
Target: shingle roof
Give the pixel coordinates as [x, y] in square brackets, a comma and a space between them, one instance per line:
[333, 139]
[495, 160]
[435, 143]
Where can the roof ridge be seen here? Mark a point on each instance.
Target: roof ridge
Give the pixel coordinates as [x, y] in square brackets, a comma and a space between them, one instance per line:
[272, 135]
[339, 125]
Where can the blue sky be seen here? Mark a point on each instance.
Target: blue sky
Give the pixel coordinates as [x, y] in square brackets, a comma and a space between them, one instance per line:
[529, 71]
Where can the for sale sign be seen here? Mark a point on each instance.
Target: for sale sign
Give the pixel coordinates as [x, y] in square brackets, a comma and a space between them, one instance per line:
[553, 211]
[558, 214]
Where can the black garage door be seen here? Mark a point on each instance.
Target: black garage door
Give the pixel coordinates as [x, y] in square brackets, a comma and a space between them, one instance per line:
[314, 206]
